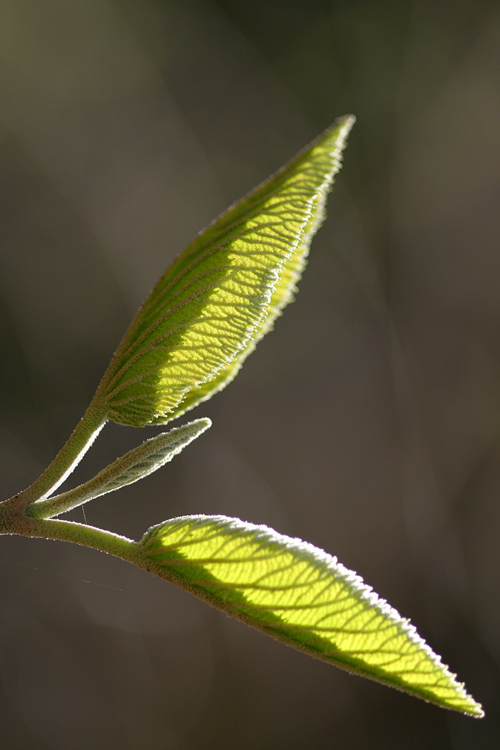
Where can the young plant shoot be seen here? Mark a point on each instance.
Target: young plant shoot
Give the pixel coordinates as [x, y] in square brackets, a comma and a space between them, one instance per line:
[187, 342]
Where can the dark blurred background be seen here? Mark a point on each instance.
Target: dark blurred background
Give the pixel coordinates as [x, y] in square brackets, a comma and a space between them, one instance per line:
[368, 423]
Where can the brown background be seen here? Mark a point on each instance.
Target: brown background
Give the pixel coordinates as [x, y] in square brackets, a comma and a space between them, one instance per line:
[368, 423]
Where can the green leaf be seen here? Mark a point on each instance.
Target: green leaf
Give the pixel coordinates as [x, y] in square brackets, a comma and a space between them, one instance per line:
[283, 294]
[134, 465]
[221, 294]
[301, 595]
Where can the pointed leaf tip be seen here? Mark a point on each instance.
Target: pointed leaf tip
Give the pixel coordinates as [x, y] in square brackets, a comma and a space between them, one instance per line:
[301, 595]
[222, 293]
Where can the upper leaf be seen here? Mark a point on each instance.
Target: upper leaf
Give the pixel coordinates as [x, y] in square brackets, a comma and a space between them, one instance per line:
[283, 294]
[222, 293]
[301, 595]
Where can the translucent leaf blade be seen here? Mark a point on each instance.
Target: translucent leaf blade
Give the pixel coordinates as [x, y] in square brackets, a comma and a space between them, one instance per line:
[282, 295]
[301, 595]
[221, 293]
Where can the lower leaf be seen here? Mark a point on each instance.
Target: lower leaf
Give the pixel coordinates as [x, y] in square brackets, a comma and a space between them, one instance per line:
[299, 594]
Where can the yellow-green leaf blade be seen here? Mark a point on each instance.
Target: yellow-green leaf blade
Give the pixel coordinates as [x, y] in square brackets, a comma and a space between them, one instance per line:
[283, 294]
[221, 293]
[299, 594]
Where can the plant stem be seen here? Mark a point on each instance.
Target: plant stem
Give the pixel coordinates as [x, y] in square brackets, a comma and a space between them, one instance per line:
[66, 460]
[87, 536]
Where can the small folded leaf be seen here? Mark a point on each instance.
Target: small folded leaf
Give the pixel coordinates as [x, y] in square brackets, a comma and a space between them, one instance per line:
[134, 465]
[221, 294]
[301, 595]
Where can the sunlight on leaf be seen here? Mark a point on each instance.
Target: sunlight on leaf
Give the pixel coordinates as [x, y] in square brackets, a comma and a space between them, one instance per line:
[301, 595]
[283, 294]
[222, 293]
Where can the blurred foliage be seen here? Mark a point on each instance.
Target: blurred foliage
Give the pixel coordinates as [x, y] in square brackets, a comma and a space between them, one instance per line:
[125, 128]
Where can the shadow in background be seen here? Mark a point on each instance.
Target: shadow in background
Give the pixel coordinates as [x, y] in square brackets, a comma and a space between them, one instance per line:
[368, 423]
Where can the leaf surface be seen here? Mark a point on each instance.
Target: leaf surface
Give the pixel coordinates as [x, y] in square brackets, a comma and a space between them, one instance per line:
[283, 294]
[301, 595]
[222, 293]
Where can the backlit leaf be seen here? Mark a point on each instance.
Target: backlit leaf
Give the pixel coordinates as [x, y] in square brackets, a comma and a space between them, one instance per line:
[222, 293]
[282, 295]
[301, 595]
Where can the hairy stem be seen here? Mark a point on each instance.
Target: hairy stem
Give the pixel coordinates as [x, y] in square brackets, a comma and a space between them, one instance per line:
[87, 536]
[66, 460]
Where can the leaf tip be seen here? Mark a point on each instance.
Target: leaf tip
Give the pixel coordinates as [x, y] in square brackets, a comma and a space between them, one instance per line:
[343, 126]
[202, 424]
[348, 120]
[476, 710]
